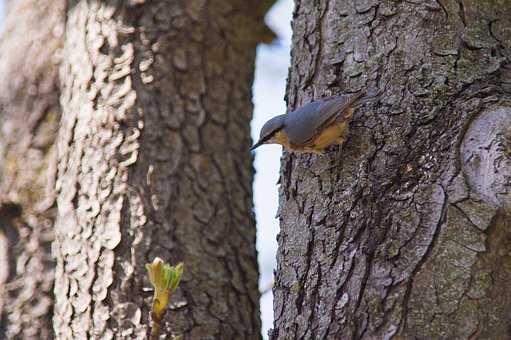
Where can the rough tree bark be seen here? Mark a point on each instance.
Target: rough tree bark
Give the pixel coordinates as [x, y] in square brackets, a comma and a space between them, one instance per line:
[406, 232]
[153, 161]
[30, 112]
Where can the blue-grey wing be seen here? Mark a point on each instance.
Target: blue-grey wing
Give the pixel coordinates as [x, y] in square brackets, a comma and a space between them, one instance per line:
[303, 124]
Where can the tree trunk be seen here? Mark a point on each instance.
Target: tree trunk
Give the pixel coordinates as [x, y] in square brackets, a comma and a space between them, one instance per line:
[405, 233]
[30, 112]
[153, 161]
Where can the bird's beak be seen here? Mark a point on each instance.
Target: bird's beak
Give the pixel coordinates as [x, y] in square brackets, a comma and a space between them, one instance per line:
[256, 145]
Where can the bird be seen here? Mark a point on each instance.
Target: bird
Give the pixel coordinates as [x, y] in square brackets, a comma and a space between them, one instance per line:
[313, 127]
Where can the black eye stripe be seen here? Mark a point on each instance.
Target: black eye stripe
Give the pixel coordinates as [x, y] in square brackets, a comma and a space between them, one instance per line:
[264, 139]
[271, 134]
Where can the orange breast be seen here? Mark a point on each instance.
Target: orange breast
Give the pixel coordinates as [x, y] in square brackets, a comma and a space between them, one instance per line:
[332, 135]
[281, 138]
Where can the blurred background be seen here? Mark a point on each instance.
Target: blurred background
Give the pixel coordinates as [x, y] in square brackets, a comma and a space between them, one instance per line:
[268, 96]
[272, 65]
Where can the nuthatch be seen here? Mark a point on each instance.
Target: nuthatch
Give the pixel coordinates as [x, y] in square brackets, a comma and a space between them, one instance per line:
[314, 126]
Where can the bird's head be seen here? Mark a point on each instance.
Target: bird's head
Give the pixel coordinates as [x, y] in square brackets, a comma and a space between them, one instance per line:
[270, 132]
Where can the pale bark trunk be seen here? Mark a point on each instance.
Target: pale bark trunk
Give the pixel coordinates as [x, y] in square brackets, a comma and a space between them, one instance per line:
[154, 161]
[405, 233]
[30, 112]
